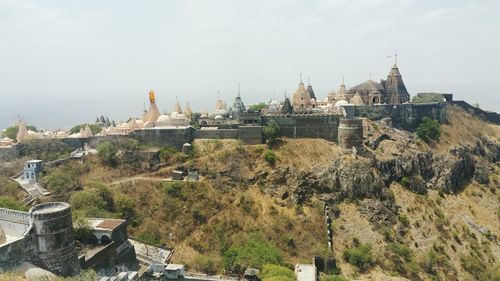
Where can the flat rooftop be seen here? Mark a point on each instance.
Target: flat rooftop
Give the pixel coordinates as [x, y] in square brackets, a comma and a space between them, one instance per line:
[305, 272]
[105, 224]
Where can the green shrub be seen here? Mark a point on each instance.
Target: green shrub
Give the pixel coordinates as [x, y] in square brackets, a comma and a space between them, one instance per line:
[167, 153]
[360, 256]
[254, 252]
[11, 203]
[405, 181]
[206, 264]
[402, 258]
[198, 216]
[270, 156]
[276, 272]
[124, 207]
[404, 219]
[172, 189]
[428, 130]
[271, 131]
[90, 203]
[107, 153]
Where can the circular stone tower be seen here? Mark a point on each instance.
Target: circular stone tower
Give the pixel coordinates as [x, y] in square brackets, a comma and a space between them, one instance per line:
[54, 245]
[350, 134]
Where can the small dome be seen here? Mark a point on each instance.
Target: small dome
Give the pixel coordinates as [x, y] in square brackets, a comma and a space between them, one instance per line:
[221, 112]
[149, 124]
[163, 118]
[204, 116]
[341, 103]
[218, 117]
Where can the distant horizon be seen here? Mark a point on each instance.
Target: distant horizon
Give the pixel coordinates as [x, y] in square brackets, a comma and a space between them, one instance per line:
[65, 63]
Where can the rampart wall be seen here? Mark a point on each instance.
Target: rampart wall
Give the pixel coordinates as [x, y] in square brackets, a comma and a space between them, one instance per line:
[322, 126]
[158, 136]
[216, 134]
[405, 116]
[8, 153]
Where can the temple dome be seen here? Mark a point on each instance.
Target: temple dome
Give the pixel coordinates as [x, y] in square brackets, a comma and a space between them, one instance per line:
[341, 103]
[163, 118]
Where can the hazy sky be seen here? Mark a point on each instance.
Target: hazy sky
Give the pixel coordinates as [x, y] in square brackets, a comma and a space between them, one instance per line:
[65, 62]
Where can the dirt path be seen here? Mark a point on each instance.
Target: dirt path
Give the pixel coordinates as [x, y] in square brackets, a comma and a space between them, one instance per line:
[140, 178]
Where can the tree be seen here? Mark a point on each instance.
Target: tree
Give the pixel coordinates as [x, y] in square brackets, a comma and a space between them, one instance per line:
[255, 251]
[271, 131]
[257, 107]
[427, 97]
[107, 152]
[428, 130]
[93, 127]
[276, 272]
[124, 206]
[11, 132]
[360, 256]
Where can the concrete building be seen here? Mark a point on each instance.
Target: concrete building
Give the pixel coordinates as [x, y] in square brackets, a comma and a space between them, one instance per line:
[31, 170]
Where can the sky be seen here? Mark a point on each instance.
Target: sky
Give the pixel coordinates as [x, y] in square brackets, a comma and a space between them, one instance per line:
[66, 62]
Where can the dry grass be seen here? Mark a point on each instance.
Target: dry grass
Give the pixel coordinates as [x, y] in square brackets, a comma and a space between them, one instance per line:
[307, 154]
[464, 128]
[260, 214]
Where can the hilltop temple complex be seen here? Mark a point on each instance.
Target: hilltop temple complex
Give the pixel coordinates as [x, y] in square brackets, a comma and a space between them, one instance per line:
[303, 115]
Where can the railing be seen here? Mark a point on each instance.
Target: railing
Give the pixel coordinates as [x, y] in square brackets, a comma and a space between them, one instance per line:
[14, 216]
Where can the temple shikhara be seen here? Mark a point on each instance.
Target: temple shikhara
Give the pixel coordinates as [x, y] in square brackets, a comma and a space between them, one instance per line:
[304, 101]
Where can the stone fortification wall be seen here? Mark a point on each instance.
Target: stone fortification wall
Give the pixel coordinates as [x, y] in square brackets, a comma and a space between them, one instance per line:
[406, 116]
[322, 126]
[8, 153]
[12, 254]
[15, 225]
[492, 117]
[175, 137]
[53, 234]
[75, 143]
[350, 134]
[250, 134]
[108, 255]
[216, 134]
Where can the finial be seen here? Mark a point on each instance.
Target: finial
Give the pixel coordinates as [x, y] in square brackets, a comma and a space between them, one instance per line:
[301, 77]
[370, 76]
[308, 81]
[343, 80]
[238, 89]
[396, 59]
[218, 94]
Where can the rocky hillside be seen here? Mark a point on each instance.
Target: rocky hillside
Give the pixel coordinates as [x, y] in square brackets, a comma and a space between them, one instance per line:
[402, 209]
